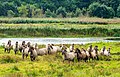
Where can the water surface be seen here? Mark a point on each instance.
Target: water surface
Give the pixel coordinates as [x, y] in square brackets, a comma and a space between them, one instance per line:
[57, 40]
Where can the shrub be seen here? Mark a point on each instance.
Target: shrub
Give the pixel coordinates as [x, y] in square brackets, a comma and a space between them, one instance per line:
[99, 10]
[10, 13]
[118, 11]
[62, 11]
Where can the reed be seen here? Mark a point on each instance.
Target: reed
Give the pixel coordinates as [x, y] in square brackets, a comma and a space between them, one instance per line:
[53, 32]
[81, 20]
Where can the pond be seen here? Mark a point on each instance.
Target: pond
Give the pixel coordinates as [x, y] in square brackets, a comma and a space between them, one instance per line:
[58, 40]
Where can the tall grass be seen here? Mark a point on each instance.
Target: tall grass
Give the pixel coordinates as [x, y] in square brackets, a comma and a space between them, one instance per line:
[53, 32]
[9, 59]
[60, 26]
[82, 20]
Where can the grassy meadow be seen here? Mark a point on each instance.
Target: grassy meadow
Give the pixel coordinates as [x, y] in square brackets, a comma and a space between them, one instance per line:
[59, 27]
[12, 65]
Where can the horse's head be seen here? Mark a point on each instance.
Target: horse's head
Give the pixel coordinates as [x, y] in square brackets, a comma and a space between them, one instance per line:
[31, 49]
[77, 50]
[64, 51]
[23, 43]
[49, 48]
[28, 44]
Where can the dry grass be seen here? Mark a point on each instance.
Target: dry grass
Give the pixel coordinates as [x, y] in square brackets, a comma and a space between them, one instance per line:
[80, 19]
[61, 26]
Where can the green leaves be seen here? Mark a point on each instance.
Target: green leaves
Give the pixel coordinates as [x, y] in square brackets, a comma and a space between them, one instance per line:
[118, 11]
[103, 11]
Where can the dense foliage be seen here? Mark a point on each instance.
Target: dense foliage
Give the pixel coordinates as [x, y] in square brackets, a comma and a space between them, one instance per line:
[59, 8]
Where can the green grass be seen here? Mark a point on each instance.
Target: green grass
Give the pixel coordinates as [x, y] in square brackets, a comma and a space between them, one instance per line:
[59, 27]
[54, 32]
[52, 66]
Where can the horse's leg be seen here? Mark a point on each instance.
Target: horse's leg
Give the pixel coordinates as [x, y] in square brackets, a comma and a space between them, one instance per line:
[34, 58]
[31, 58]
[78, 59]
[23, 56]
[26, 55]
[97, 58]
[5, 50]
[15, 51]
[8, 50]
[20, 50]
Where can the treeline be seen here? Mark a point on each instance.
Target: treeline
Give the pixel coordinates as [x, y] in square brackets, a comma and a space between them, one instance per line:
[60, 8]
[52, 32]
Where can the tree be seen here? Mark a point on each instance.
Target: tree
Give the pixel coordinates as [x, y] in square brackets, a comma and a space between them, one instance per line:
[48, 13]
[111, 12]
[10, 13]
[78, 12]
[23, 11]
[38, 13]
[118, 11]
[70, 14]
[93, 9]
[9, 6]
[62, 11]
[31, 10]
[2, 10]
[62, 8]
[103, 11]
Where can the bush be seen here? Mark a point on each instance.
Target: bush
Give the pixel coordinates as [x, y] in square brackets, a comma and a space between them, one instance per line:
[93, 9]
[103, 11]
[10, 13]
[78, 12]
[118, 11]
[48, 13]
[62, 11]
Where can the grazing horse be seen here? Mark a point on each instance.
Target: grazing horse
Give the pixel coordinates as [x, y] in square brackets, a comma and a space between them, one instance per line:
[16, 48]
[71, 48]
[25, 51]
[8, 47]
[21, 47]
[33, 53]
[93, 52]
[54, 49]
[102, 50]
[70, 56]
[105, 52]
[42, 51]
[89, 50]
[35, 46]
[81, 55]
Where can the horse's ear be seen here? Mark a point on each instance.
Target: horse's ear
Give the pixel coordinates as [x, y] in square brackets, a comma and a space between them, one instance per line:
[60, 45]
[51, 46]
